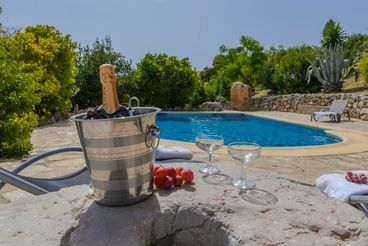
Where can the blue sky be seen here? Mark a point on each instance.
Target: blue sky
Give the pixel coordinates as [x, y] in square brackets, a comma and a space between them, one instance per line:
[187, 28]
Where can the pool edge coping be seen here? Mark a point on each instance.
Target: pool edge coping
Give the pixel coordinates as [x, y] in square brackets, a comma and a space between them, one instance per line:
[353, 141]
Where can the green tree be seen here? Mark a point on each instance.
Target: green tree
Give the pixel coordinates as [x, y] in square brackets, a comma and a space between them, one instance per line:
[50, 56]
[165, 81]
[355, 45]
[207, 74]
[17, 103]
[363, 66]
[243, 63]
[88, 79]
[333, 34]
[274, 56]
[290, 71]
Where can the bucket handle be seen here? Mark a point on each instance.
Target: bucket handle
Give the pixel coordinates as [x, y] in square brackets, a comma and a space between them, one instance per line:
[152, 136]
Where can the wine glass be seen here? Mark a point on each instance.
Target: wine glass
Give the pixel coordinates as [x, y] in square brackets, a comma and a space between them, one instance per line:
[209, 144]
[244, 152]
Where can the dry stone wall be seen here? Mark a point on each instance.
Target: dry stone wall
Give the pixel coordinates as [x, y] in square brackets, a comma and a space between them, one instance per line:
[308, 103]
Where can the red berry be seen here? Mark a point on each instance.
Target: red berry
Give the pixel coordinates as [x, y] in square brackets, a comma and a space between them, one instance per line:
[159, 182]
[349, 174]
[178, 181]
[187, 176]
[178, 170]
[356, 179]
[162, 172]
[167, 184]
[171, 172]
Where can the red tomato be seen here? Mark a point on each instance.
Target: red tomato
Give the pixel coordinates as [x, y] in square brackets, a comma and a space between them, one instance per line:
[159, 182]
[162, 172]
[167, 184]
[178, 181]
[178, 170]
[187, 176]
[171, 172]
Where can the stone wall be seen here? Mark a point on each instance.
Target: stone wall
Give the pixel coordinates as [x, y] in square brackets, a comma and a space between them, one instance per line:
[308, 103]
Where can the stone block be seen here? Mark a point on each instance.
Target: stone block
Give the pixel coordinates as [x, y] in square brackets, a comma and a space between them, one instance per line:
[211, 106]
[240, 96]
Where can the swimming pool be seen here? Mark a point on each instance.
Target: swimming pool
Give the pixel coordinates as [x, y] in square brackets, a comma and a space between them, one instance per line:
[241, 127]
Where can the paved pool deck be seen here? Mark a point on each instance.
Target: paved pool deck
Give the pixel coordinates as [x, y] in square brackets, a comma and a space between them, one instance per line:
[303, 164]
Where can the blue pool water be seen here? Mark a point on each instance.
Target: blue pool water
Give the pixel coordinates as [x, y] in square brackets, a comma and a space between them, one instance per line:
[239, 128]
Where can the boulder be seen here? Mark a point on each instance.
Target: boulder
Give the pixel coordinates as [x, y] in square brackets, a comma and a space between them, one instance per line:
[211, 106]
[240, 96]
[200, 214]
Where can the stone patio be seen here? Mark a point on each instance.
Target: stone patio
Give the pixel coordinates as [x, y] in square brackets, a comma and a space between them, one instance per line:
[196, 214]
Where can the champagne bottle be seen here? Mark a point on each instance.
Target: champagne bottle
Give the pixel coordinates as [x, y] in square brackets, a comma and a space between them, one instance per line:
[110, 107]
[110, 102]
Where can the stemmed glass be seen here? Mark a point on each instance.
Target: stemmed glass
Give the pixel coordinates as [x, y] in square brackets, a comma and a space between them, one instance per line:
[244, 152]
[209, 144]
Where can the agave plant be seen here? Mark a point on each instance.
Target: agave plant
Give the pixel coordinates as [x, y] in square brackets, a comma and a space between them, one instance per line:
[333, 69]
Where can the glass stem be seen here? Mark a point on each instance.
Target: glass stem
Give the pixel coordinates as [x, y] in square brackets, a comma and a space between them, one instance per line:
[242, 173]
[209, 159]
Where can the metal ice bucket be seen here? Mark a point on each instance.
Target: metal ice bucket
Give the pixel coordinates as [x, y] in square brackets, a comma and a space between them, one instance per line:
[119, 154]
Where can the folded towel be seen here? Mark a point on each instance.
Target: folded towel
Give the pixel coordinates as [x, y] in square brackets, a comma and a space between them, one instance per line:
[336, 186]
[320, 114]
[173, 152]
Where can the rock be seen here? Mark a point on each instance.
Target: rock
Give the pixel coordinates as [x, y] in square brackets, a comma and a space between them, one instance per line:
[201, 214]
[240, 96]
[211, 106]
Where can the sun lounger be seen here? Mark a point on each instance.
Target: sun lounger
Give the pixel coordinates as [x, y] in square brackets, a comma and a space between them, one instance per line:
[336, 110]
[38, 186]
[336, 186]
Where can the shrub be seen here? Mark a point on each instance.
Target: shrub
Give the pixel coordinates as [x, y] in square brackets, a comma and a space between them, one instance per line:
[198, 97]
[290, 71]
[355, 45]
[363, 67]
[165, 81]
[50, 56]
[17, 102]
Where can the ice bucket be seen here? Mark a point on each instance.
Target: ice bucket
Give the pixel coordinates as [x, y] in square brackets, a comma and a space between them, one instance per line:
[119, 154]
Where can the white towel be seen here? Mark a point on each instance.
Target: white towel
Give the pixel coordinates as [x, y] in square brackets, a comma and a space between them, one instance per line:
[173, 152]
[336, 186]
[320, 114]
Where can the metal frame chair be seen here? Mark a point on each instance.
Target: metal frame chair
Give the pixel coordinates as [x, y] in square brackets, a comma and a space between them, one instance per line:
[39, 186]
[335, 112]
[361, 202]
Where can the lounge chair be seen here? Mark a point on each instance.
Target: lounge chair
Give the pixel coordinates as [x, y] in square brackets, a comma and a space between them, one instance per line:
[336, 110]
[38, 186]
